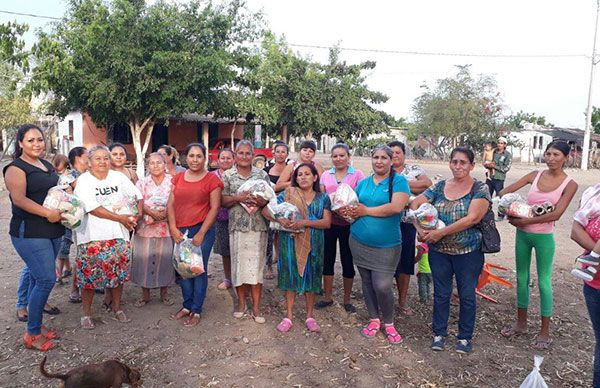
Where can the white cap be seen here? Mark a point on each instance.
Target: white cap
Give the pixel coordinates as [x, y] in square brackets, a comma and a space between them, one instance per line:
[503, 140]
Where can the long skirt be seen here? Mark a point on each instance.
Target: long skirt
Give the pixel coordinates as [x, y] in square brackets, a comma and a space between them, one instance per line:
[103, 264]
[152, 265]
[248, 256]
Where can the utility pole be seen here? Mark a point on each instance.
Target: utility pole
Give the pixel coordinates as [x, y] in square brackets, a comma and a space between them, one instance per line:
[588, 116]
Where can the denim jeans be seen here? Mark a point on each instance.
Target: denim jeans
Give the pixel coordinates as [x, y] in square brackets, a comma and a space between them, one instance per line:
[23, 289]
[424, 281]
[39, 255]
[466, 268]
[194, 289]
[65, 245]
[592, 300]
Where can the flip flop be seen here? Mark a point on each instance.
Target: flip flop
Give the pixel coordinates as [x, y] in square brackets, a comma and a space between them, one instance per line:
[371, 329]
[168, 301]
[52, 311]
[540, 344]
[323, 303]
[392, 335]
[180, 314]
[511, 331]
[141, 303]
[74, 298]
[193, 320]
[22, 318]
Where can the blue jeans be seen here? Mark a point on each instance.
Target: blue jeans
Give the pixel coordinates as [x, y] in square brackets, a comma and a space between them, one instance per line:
[592, 300]
[466, 268]
[194, 289]
[23, 290]
[65, 245]
[39, 255]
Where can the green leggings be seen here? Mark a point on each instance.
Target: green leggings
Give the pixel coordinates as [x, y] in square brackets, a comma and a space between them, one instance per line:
[544, 254]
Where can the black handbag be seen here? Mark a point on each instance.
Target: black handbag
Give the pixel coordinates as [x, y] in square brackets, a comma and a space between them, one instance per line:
[490, 237]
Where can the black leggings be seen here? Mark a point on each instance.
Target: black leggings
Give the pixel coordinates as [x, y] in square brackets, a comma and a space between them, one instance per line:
[332, 235]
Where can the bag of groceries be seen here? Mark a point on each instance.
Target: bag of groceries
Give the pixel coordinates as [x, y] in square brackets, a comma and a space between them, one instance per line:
[284, 210]
[425, 217]
[257, 188]
[69, 205]
[187, 258]
[343, 196]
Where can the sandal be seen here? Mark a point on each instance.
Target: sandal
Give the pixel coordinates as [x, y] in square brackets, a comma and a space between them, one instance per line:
[392, 335]
[224, 285]
[511, 331]
[22, 318]
[52, 310]
[86, 323]
[541, 344]
[323, 303]
[28, 341]
[74, 298]
[167, 301]
[193, 320]
[312, 325]
[370, 331]
[406, 310]
[182, 313]
[107, 306]
[121, 317]
[285, 325]
[258, 318]
[49, 333]
[141, 303]
[269, 275]
[239, 314]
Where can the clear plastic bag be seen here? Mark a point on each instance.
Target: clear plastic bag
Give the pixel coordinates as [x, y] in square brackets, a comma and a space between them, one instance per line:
[157, 204]
[535, 379]
[513, 205]
[125, 204]
[257, 188]
[425, 217]
[343, 196]
[284, 210]
[69, 205]
[187, 259]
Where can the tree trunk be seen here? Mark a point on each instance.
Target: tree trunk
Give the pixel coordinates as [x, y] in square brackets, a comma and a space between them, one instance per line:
[137, 128]
[284, 133]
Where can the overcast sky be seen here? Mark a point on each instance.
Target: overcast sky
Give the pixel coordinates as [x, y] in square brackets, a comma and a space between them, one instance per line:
[553, 87]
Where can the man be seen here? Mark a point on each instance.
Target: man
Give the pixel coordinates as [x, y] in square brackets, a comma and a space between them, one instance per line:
[500, 166]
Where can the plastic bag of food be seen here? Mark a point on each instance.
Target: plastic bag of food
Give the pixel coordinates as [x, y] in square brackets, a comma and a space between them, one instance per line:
[343, 196]
[69, 205]
[425, 217]
[187, 259]
[284, 210]
[125, 204]
[157, 204]
[257, 188]
[64, 181]
[513, 205]
[535, 379]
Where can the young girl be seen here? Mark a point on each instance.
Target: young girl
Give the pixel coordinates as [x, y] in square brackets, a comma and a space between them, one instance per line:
[300, 265]
[61, 163]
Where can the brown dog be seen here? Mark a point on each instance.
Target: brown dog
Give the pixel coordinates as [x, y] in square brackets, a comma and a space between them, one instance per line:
[111, 373]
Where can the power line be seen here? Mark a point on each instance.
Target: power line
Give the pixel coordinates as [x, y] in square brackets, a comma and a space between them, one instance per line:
[30, 15]
[442, 53]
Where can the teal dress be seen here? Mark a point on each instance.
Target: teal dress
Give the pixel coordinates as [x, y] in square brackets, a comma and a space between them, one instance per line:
[288, 278]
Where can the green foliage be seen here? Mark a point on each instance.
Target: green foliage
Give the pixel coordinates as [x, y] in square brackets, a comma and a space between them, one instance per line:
[363, 147]
[516, 120]
[11, 45]
[596, 119]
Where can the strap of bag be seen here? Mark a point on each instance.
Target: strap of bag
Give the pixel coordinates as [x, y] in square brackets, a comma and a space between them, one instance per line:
[391, 183]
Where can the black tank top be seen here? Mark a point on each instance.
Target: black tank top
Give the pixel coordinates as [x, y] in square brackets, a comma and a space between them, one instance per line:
[38, 183]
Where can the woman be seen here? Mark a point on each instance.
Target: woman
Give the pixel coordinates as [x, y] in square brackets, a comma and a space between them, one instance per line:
[418, 183]
[586, 233]
[274, 170]
[118, 155]
[247, 232]
[341, 172]
[35, 231]
[170, 155]
[300, 265]
[537, 233]
[151, 265]
[376, 240]
[192, 208]
[103, 247]
[225, 162]
[455, 250]
[308, 150]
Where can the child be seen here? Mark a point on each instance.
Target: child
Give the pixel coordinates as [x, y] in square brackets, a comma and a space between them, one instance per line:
[488, 159]
[424, 277]
[61, 164]
[590, 260]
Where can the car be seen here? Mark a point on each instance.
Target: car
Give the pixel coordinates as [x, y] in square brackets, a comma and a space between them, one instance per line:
[261, 155]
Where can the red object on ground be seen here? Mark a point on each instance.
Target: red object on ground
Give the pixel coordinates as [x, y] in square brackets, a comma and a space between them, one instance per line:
[487, 277]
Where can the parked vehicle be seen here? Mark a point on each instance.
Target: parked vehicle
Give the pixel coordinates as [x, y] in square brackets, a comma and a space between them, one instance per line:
[261, 155]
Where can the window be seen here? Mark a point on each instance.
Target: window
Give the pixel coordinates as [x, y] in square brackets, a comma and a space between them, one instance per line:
[71, 129]
[541, 142]
[122, 133]
[535, 138]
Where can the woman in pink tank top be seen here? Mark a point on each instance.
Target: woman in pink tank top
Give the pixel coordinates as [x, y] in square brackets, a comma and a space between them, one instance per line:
[552, 185]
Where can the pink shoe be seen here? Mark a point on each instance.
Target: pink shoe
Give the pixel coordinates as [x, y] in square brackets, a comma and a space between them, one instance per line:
[392, 335]
[371, 329]
[285, 325]
[225, 284]
[312, 325]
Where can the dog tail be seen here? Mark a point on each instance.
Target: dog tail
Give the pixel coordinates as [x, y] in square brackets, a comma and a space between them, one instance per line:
[50, 375]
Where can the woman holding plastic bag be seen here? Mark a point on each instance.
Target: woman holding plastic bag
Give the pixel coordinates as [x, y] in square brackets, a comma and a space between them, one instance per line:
[455, 249]
[341, 172]
[192, 211]
[300, 264]
[151, 265]
[537, 233]
[247, 227]
[103, 249]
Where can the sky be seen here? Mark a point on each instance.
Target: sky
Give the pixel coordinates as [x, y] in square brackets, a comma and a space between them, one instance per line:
[555, 87]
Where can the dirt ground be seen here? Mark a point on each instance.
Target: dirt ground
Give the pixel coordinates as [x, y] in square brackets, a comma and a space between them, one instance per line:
[222, 351]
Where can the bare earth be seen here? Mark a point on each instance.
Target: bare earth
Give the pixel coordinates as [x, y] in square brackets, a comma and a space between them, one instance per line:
[222, 351]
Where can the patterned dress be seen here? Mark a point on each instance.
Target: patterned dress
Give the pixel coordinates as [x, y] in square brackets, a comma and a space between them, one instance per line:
[287, 267]
[151, 266]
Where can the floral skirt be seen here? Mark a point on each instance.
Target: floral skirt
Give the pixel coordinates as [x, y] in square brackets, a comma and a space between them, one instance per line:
[103, 264]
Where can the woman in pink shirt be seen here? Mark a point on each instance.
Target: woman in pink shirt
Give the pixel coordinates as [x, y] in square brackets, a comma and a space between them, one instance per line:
[341, 171]
[551, 185]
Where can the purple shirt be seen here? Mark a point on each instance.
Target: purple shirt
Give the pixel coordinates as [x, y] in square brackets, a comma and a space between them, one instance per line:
[353, 176]
[223, 214]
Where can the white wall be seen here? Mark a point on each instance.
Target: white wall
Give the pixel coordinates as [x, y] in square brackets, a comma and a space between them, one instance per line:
[534, 149]
[64, 143]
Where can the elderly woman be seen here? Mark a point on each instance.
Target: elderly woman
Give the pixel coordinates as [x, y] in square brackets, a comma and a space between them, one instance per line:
[248, 231]
[586, 233]
[151, 265]
[418, 183]
[455, 250]
[192, 209]
[34, 230]
[555, 186]
[376, 240]
[170, 155]
[110, 201]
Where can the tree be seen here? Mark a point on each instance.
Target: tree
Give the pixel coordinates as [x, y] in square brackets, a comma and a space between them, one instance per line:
[596, 119]
[517, 120]
[463, 110]
[12, 45]
[124, 61]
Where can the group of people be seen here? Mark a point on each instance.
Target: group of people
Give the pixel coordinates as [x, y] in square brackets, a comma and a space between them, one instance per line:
[172, 203]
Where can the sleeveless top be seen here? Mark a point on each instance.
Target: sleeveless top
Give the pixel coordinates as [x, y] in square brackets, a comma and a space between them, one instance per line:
[535, 197]
[38, 182]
